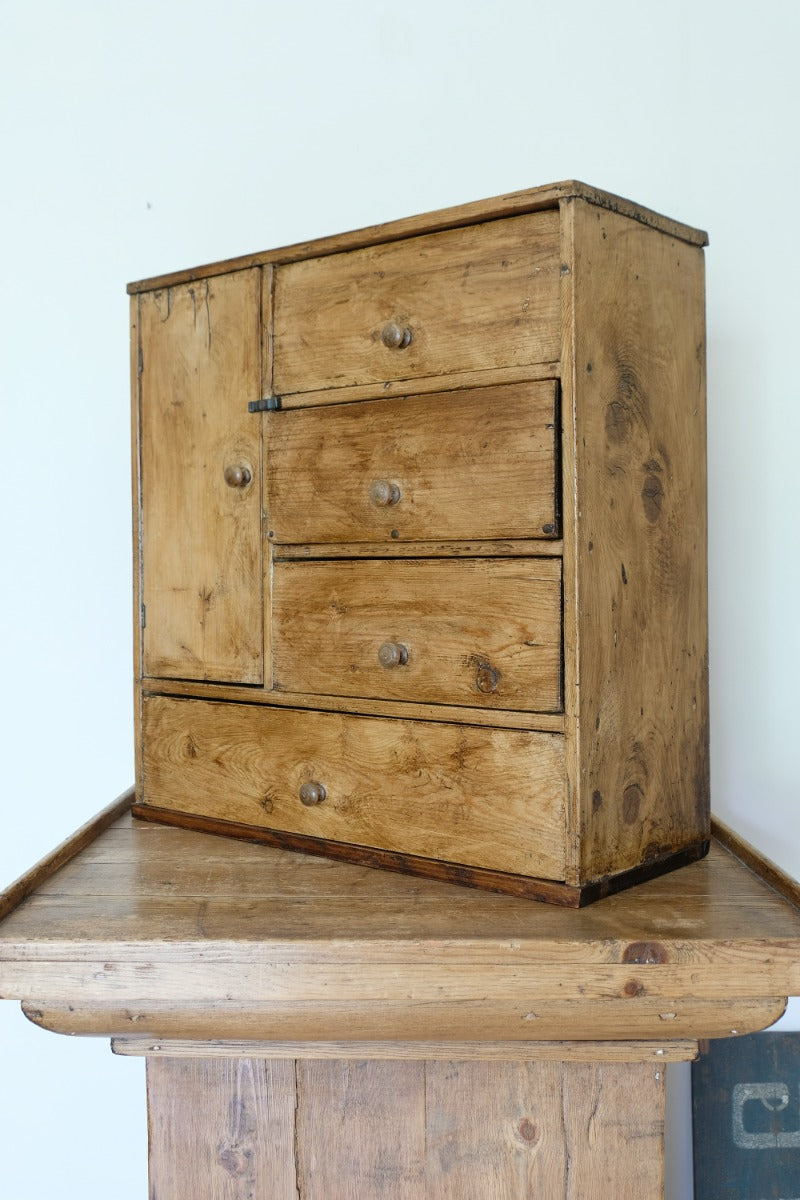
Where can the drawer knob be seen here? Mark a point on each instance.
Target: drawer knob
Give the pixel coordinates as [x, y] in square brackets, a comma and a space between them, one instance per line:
[382, 493]
[237, 476]
[393, 654]
[396, 337]
[312, 793]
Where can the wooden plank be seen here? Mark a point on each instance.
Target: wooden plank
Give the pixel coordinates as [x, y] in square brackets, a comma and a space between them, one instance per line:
[518, 548]
[310, 949]
[511, 883]
[332, 620]
[640, 541]
[482, 1024]
[757, 862]
[613, 1120]
[402, 786]
[232, 1129]
[495, 1130]
[221, 1129]
[136, 533]
[469, 299]
[492, 479]
[361, 1130]
[501, 719]
[179, 895]
[612, 1052]
[581, 1132]
[27, 884]
[267, 349]
[201, 549]
[527, 200]
[320, 982]
[574, 873]
[423, 385]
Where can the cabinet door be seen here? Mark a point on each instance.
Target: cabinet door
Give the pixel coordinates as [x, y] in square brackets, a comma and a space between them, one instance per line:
[202, 572]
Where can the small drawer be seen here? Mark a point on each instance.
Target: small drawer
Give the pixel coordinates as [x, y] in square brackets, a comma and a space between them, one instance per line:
[473, 464]
[482, 797]
[471, 299]
[479, 632]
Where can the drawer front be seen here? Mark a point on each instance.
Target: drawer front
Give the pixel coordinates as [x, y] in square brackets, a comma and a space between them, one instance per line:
[480, 632]
[479, 463]
[481, 797]
[470, 299]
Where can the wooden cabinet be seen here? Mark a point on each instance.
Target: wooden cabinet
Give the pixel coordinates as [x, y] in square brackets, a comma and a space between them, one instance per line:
[421, 552]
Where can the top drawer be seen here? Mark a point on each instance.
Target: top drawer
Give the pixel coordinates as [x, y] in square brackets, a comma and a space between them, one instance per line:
[471, 299]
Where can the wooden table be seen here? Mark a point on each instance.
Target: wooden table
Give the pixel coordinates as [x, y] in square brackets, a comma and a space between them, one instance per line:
[325, 1031]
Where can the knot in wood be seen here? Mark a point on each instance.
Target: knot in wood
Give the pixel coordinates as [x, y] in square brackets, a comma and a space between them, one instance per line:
[645, 952]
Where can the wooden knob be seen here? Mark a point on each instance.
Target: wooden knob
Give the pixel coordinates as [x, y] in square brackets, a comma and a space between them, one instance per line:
[382, 493]
[237, 477]
[396, 337]
[393, 654]
[312, 793]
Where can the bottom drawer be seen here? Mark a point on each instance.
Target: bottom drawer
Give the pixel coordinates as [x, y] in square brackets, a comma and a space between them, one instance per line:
[492, 798]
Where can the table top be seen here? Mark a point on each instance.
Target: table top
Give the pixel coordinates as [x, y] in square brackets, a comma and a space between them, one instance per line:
[135, 928]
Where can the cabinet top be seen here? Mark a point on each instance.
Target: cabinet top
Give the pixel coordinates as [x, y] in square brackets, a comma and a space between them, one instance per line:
[511, 204]
[133, 914]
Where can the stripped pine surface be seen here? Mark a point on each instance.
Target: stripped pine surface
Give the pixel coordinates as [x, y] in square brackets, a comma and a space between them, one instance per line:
[166, 931]
[236, 1128]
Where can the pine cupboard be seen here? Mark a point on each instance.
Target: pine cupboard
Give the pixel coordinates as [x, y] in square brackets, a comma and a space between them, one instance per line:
[421, 545]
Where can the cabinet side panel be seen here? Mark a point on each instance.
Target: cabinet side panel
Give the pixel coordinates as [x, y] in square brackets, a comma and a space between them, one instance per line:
[640, 542]
[201, 535]
[136, 534]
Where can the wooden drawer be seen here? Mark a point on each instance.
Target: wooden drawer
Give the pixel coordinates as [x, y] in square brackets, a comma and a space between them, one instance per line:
[418, 630]
[425, 789]
[479, 463]
[471, 299]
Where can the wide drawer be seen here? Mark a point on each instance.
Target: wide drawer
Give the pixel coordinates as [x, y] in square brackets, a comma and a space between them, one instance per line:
[479, 463]
[481, 797]
[471, 299]
[480, 632]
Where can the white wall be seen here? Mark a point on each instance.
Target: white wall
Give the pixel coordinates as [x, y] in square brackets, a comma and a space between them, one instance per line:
[137, 138]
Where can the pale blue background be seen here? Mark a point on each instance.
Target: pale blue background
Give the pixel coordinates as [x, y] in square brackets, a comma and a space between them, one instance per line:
[142, 137]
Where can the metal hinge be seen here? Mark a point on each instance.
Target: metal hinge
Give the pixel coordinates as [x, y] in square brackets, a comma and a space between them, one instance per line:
[144, 616]
[268, 404]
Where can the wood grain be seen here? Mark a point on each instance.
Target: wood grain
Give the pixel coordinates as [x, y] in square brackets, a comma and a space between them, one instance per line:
[330, 620]
[135, 350]
[763, 867]
[201, 539]
[473, 298]
[470, 464]
[474, 548]
[221, 1129]
[583, 1052]
[162, 932]
[501, 719]
[638, 528]
[12, 896]
[507, 882]
[423, 385]
[361, 1130]
[581, 1132]
[244, 1127]
[484, 1025]
[528, 200]
[422, 789]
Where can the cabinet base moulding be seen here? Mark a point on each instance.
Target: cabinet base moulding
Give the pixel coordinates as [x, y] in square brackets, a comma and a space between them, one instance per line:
[548, 890]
